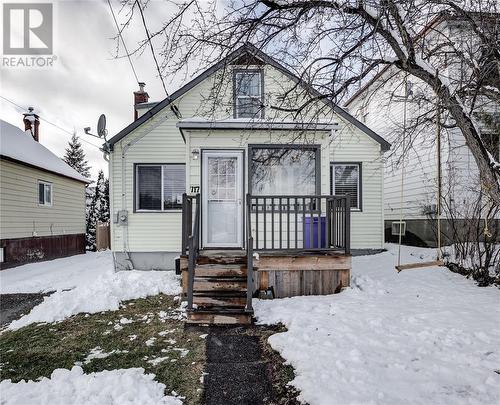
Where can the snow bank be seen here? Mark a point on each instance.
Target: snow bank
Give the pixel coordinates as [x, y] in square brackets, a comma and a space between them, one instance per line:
[120, 387]
[102, 294]
[424, 336]
[59, 274]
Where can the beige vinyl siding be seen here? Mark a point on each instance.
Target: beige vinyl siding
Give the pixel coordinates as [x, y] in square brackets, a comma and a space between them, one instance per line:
[160, 141]
[20, 213]
[349, 144]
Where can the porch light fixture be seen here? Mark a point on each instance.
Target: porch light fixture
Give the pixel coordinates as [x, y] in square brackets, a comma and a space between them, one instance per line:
[195, 153]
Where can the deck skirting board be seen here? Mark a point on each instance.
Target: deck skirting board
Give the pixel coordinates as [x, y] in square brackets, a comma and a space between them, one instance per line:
[288, 283]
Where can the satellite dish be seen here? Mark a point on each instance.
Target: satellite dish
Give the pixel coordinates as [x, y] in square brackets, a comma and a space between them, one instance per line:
[101, 126]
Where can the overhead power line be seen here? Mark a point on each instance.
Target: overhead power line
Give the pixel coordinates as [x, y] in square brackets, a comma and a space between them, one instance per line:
[50, 123]
[123, 41]
[151, 45]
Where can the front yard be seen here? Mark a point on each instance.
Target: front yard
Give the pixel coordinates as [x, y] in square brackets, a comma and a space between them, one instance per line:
[422, 336]
[146, 333]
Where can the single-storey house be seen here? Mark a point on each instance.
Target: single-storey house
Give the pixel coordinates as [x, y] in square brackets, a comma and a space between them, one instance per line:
[42, 199]
[226, 167]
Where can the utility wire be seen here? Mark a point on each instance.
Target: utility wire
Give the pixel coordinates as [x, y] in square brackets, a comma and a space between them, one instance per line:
[51, 123]
[151, 46]
[123, 41]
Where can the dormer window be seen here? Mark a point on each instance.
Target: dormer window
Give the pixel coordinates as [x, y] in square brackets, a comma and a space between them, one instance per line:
[248, 94]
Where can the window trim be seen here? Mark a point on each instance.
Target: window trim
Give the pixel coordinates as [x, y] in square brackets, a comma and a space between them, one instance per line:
[136, 186]
[359, 208]
[241, 70]
[45, 183]
[315, 147]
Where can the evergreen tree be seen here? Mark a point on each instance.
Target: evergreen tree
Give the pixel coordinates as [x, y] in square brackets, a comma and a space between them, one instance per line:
[75, 156]
[102, 205]
[91, 217]
[98, 208]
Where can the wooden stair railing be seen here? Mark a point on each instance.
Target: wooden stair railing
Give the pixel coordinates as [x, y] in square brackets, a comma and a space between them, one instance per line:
[193, 242]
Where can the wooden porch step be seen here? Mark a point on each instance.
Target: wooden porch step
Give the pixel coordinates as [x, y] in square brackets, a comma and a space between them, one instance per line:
[219, 284]
[220, 270]
[222, 257]
[219, 300]
[219, 316]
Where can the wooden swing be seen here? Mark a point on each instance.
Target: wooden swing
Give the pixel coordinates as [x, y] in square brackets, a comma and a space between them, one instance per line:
[439, 261]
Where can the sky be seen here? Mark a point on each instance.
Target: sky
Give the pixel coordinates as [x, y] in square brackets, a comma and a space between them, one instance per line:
[86, 79]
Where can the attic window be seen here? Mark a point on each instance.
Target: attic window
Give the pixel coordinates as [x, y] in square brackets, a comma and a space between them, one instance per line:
[248, 94]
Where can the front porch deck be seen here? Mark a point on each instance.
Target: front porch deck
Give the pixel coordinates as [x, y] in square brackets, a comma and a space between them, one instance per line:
[288, 274]
[301, 247]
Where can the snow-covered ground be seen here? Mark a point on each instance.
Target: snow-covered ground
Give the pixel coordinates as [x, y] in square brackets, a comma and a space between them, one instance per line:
[423, 336]
[58, 274]
[83, 283]
[115, 387]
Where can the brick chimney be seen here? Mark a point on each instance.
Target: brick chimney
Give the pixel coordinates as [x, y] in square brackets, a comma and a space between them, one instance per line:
[32, 123]
[140, 96]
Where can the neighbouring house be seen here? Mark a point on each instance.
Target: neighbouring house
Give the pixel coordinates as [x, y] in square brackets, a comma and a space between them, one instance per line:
[42, 199]
[217, 172]
[380, 104]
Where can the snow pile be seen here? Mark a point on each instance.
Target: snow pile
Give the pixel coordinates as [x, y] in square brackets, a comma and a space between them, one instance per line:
[424, 336]
[83, 283]
[59, 274]
[104, 294]
[19, 145]
[116, 387]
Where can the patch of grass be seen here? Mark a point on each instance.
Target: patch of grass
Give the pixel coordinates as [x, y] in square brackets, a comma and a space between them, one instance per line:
[36, 350]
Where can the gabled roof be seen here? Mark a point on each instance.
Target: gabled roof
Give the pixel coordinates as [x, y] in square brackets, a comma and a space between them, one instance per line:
[19, 146]
[254, 51]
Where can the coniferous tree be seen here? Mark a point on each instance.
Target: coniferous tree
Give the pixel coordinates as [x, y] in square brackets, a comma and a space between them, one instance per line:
[98, 209]
[75, 156]
[103, 202]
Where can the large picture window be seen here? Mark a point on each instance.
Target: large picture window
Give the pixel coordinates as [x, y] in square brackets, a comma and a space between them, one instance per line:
[282, 170]
[159, 187]
[346, 179]
[248, 98]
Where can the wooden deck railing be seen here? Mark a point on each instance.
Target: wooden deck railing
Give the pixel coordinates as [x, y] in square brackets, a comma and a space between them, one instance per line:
[299, 223]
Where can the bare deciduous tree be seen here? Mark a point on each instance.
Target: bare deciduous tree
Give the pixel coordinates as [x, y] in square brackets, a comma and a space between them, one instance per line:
[335, 46]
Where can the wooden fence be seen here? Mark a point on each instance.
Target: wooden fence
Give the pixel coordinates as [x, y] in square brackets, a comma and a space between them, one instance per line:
[103, 237]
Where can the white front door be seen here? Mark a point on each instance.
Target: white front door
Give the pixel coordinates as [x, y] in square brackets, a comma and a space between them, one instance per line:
[222, 198]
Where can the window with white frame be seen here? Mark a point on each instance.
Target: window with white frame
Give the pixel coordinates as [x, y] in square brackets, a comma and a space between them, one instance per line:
[248, 97]
[44, 193]
[159, 187]
[346, 179]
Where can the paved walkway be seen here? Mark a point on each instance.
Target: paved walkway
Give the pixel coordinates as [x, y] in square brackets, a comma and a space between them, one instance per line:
[236, 371]
[13, 306]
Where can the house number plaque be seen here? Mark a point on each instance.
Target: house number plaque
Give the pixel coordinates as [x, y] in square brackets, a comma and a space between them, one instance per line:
[195, 189]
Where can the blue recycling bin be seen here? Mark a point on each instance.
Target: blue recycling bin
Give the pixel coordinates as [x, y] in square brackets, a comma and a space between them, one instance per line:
[309, 242]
